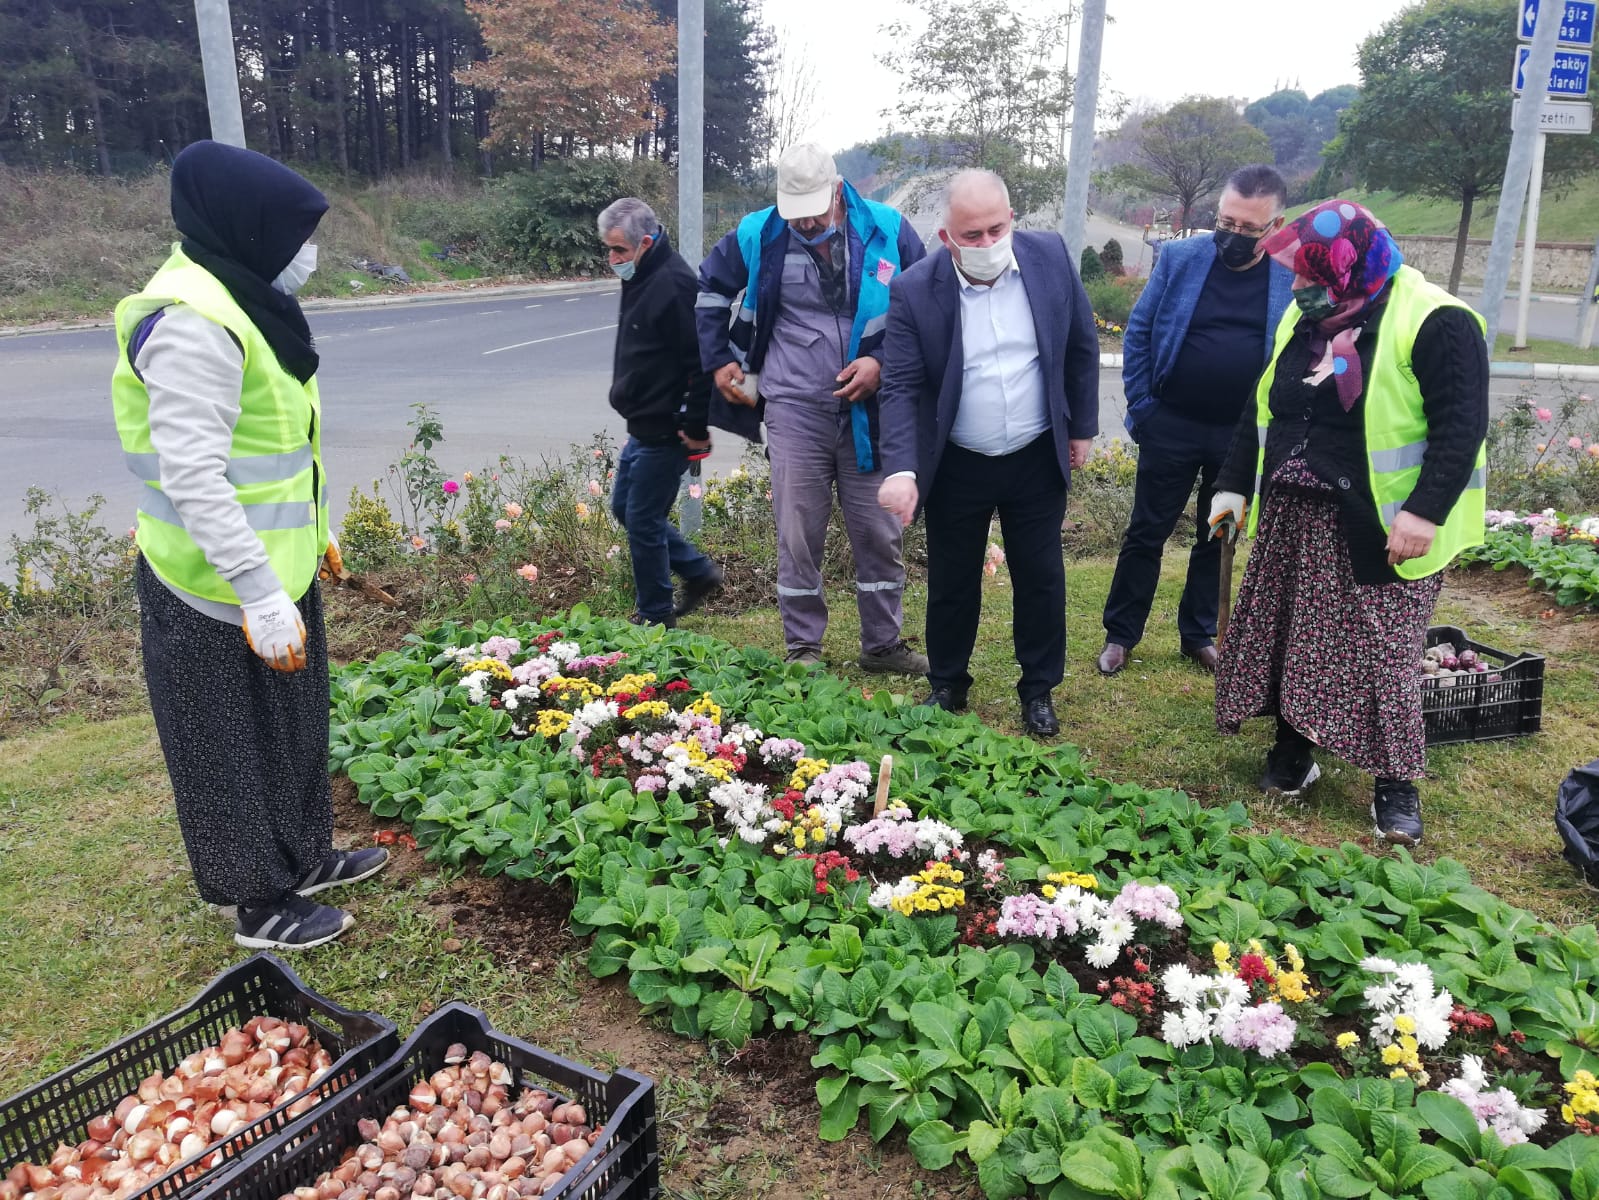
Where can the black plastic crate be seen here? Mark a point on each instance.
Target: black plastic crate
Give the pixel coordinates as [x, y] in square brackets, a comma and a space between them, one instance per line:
[35, 1122]
[1476, 710]
[623, 1165]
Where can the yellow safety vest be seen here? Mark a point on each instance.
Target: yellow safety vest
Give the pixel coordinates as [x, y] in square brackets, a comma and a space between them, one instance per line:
[1395, 423]
[274, 462]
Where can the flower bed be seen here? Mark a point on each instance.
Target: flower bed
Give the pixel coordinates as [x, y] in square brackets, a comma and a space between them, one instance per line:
[1080, 988]
[1559, 552]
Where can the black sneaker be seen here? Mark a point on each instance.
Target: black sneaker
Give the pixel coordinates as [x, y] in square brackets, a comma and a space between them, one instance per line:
[695, 591]
[1396, 812]
[293, 923]
[341, 867]
[1290, 769]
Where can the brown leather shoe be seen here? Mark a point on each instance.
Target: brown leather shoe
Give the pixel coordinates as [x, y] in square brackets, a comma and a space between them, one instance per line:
[1203, 656]
[1112, 658]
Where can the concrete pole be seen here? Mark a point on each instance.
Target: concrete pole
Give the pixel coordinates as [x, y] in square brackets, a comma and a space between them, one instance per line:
[1529, 244]
[691, 130]
[215, 27]
[1074, 208]
[1588, 303]
[691, 188]
[1518, 166]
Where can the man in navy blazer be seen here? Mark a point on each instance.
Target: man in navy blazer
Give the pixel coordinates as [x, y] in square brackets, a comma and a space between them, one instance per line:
[990, 396]
[1196, 343]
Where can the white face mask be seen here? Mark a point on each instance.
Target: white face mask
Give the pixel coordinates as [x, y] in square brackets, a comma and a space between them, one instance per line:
[292, 278]
[985, 262]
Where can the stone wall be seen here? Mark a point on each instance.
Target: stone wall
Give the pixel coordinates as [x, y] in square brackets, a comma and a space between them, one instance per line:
[1556, 266]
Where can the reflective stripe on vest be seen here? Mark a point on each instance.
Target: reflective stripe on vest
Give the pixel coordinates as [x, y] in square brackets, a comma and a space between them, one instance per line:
[274, 461]
[1395, 424]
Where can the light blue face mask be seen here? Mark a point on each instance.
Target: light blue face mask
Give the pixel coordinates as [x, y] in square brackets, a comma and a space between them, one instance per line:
[624, 271]
[817, 240]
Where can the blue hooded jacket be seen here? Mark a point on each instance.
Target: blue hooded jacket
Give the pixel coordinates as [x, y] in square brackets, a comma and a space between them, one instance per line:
[741, 287]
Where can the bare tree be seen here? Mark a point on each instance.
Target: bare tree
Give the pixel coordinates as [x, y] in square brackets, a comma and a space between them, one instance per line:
[791, 92]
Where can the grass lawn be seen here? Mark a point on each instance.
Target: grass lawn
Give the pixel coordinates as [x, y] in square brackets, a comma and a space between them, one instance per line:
[1544, 351]
[100, 930]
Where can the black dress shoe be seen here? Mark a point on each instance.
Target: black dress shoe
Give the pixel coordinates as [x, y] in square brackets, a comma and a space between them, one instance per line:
[1112, 658]
[1039, 719]
[946, 698]
[1202, 656]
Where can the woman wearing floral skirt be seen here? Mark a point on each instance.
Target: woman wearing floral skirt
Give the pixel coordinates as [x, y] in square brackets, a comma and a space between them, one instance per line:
[1364, 457]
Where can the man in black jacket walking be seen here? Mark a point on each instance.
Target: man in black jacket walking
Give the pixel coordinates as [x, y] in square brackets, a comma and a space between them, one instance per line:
[658, 387]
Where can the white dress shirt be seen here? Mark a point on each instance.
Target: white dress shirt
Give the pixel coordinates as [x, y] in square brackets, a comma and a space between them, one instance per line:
[1002, 406]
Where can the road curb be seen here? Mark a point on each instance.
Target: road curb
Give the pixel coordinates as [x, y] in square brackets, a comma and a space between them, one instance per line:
[1541, 372]
[341, 304]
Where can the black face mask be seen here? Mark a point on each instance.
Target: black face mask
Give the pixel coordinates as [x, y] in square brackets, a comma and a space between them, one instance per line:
[1235, 250]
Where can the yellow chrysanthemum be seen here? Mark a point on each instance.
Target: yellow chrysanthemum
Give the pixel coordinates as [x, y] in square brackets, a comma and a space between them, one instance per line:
[1347, 1041]
[1405, 1023]
[646, 709]
[551, 722]
[1222, 954]
[805, 770]
[1080, 879]
[492, 666]
[631, 684]
[706, 707]
[1391, 1056]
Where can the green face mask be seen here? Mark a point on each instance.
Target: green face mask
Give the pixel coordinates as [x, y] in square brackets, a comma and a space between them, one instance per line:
[1314, 302]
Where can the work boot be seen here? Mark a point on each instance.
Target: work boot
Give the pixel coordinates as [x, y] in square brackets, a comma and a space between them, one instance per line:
[1290, 769]
[808, 655]
[1396, 812]
[697, 590]
[898, 659]
[638, 618]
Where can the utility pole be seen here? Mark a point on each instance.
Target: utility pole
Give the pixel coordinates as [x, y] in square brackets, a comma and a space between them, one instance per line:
[1085, 99]
[215, 27]
[1529, 243]
[1524, 139]
[691, 187]
[691, 129]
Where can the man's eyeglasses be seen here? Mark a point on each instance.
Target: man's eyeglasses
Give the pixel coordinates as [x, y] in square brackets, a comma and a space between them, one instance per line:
[1228, 225]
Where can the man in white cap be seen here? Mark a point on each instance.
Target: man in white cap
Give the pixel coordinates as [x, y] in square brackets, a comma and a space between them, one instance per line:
[798, 295]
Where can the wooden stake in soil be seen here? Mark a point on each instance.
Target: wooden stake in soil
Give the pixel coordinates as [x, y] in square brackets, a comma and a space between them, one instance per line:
[884, 770]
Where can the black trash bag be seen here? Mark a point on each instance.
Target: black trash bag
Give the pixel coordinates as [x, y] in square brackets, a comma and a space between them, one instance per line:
[1577, 818]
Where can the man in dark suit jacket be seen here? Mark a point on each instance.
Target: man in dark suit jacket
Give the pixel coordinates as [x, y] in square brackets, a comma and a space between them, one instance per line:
[990, 397]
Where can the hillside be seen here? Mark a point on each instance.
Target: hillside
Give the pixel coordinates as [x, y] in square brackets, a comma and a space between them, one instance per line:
[1568, 215]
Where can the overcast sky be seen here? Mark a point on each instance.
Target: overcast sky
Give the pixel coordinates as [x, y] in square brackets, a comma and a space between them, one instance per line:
[1155, 50]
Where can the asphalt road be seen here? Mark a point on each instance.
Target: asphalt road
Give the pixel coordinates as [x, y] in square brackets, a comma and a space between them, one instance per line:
[525, 376]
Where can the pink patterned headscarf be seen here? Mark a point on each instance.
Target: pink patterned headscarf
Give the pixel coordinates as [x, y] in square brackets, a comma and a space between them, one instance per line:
[1340, 245]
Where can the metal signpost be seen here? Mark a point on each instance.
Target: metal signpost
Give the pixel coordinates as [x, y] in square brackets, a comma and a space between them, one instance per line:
[691, 189]
[1569, 74]
[220, 67]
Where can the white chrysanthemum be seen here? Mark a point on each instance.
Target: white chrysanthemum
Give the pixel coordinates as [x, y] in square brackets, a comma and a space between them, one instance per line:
[1180, 985]
[564, 652]
[509, 701]
[1175, 1030]
[1116, 931]
[596, 712]
[1378, 965]
[1102, 954]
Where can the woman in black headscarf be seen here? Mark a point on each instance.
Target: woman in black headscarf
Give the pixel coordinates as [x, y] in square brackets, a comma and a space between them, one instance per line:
[219, 416]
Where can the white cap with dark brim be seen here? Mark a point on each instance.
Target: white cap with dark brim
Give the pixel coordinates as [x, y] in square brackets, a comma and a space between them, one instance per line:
[806, 177]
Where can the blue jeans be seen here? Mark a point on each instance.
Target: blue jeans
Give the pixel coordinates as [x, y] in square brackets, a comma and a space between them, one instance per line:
[642, 496]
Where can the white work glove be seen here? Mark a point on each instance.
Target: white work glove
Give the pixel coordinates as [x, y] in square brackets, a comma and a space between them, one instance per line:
[1226, 515]
[275, 631]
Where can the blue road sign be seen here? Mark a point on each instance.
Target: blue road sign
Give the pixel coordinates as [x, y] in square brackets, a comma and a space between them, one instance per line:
[1568, 78]
[1576, 20]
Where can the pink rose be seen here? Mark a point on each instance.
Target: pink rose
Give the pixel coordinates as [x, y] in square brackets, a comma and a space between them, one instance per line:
[594, 487]
[469, 579]
[502, 524]
[528, 572]
[1574, 442]
[1543, 414]
[451, 487]
[513, 510]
